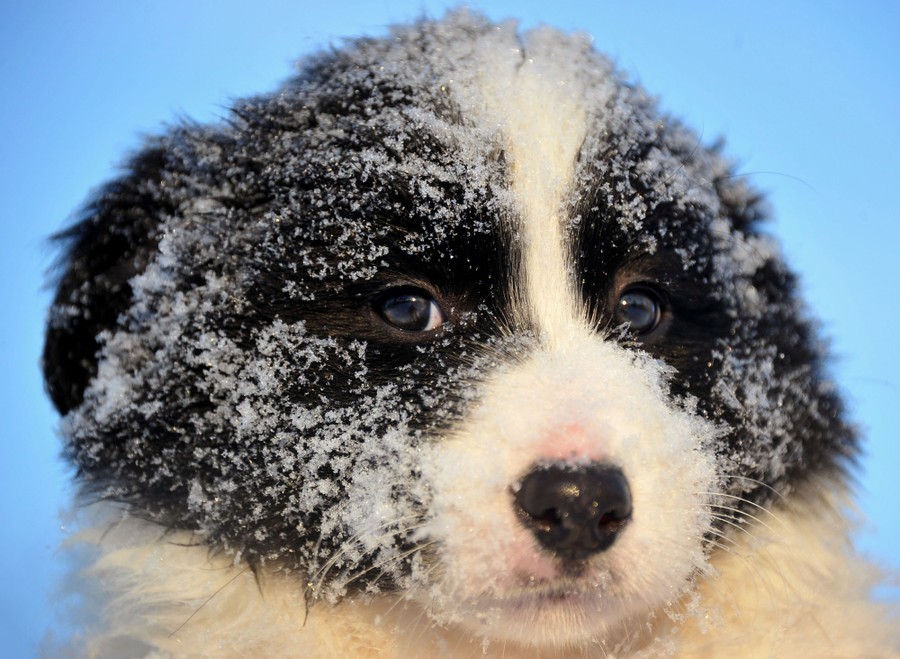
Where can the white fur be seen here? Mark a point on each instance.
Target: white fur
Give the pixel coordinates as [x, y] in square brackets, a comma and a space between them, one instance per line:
[537, 104]
[789, 586]
[588, 401]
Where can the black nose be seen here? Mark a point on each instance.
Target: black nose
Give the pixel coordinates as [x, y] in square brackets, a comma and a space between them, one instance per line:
[575, 510]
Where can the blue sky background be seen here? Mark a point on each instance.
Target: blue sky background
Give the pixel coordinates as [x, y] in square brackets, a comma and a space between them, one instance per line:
[807, 94]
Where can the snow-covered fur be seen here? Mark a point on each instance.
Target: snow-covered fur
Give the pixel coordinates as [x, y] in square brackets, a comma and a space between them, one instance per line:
[453, 346]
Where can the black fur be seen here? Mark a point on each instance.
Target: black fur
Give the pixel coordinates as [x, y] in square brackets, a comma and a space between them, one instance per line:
[280, 218]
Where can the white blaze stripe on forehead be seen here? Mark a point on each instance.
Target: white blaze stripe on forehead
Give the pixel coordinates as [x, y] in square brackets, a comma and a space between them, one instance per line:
[536, 101]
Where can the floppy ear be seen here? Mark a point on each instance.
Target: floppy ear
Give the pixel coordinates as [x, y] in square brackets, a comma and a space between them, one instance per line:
[111, 243]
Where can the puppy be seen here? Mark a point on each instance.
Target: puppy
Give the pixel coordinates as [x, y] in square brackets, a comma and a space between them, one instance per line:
[453, 346]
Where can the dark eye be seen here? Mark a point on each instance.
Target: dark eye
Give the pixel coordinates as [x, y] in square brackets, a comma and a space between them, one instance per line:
[640, 309]
[411, 311]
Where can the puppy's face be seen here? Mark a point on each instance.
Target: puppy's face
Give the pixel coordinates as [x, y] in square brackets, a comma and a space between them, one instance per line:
[456, 315]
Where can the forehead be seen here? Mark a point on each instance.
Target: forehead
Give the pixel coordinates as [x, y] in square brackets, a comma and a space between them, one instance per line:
[427, 114]
[494, 141]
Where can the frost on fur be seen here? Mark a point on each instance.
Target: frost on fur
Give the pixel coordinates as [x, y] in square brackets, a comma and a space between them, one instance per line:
[228, 375]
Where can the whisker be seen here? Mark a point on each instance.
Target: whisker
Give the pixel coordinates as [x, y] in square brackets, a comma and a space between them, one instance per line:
[758, 482]
[730, 521]
[760, 574]
[744, 514]
[319, 576]
[733, 524]
[743, 500]
[681, 164]
[773, 173]
[387, 561]
[209, 599]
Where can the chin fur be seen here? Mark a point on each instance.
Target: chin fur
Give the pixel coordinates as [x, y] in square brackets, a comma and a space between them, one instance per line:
[789, 587]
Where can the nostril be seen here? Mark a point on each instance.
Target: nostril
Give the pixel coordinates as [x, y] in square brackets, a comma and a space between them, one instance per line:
[574, 510]
[546, 519]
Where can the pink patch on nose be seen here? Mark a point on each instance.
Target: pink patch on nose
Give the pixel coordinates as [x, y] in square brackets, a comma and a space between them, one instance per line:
[529, 564]
[570, 442]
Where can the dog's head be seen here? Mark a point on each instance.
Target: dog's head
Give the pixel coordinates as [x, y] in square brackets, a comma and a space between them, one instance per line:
[456, 314]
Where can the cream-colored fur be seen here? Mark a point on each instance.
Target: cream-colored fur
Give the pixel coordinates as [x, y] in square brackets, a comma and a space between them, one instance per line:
[788, 586]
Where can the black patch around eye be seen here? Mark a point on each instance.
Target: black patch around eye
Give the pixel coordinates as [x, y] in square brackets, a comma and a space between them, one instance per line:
[641, 309]
[410, 310]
